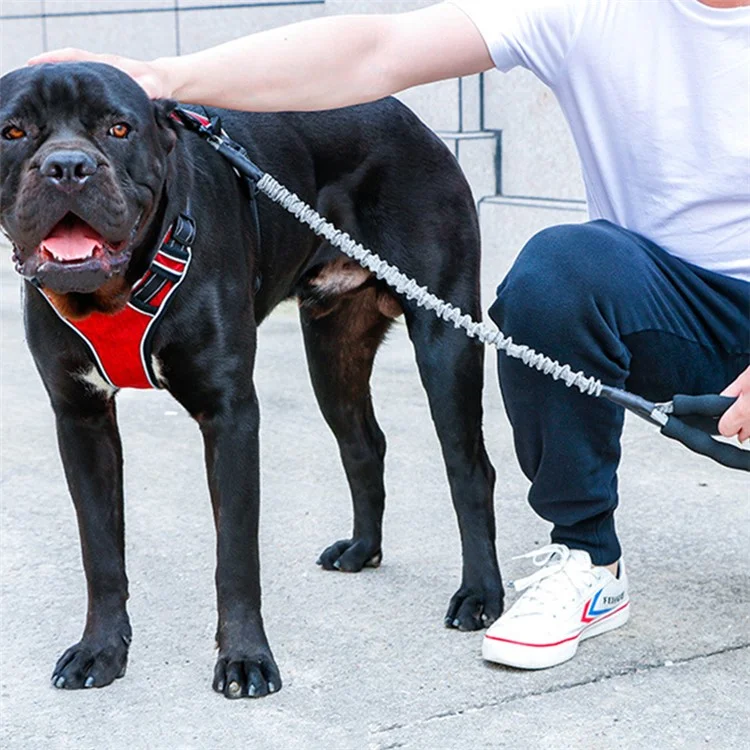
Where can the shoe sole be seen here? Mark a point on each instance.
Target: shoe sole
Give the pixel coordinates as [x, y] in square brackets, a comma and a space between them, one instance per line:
[543, 655]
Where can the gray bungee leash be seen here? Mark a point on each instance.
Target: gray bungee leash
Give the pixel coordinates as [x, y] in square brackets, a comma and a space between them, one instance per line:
[692, 420]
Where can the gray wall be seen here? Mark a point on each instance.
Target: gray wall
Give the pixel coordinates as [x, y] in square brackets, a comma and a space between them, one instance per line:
[506, 130]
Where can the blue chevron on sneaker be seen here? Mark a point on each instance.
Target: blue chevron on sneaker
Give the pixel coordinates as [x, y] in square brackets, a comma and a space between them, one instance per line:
[564, 602]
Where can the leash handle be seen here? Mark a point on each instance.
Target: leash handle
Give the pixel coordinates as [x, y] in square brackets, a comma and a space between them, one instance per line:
[691, 420]
[702, 412]
[699, 419]
[701, 442]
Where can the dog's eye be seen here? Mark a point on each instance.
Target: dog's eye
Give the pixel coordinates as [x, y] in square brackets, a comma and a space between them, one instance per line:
[12, 133]
[121, 130]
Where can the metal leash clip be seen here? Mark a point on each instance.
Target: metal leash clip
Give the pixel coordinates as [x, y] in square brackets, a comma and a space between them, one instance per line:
[692, 420]
[212, 132]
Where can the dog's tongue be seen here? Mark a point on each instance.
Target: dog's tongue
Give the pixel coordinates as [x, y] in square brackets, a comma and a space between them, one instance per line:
[72, 239]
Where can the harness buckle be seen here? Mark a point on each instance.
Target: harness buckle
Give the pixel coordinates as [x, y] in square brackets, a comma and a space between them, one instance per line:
[214, 125]
[183, 231]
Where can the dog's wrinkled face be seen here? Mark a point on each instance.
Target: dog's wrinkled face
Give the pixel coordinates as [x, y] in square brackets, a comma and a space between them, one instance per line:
[83, 161]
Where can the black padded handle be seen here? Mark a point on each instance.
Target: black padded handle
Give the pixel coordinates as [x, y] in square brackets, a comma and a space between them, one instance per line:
[702, 412]
[701, 442]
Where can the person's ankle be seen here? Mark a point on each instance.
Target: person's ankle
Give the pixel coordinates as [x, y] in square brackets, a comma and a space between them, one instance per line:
[613, 568]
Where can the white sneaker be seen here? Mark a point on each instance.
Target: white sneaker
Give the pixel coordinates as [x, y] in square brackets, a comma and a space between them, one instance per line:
[566, 601]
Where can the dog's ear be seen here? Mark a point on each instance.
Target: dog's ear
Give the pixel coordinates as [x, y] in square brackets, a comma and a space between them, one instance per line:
[167, 124]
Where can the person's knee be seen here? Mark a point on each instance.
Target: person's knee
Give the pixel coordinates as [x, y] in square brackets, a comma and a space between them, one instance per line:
[568, 256]
[560, 269]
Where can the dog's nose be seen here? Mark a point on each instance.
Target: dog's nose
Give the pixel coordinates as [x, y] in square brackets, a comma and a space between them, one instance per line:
[68, 169]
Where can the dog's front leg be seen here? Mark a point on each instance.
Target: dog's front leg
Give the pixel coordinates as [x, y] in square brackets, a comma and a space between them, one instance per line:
[245, 666]
[92, 456]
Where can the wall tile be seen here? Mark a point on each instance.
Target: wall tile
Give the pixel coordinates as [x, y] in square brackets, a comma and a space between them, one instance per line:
[93, 6]
[469, 100]
[476, 154]
[539, 156]
[19, 40]
[204, 28]
[20, 7]
[374, 6]
[435, 103]
[142, 35]
[191, 3]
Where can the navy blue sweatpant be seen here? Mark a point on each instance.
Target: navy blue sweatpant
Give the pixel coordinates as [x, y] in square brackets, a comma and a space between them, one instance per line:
[616, 306]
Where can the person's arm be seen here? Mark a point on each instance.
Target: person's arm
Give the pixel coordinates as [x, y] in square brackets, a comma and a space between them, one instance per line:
[736, 420]
[320, 64]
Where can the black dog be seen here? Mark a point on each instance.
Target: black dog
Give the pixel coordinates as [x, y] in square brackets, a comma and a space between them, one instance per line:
[93, 177]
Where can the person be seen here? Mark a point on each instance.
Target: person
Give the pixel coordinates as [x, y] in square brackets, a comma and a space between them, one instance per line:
[652, 294]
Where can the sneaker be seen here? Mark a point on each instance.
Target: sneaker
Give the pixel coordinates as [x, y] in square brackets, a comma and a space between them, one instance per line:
[566, 601]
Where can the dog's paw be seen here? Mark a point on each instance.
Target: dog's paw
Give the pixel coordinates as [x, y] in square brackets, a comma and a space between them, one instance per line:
[88, 664]
[350, 556]
[246, 676]
[474, 608]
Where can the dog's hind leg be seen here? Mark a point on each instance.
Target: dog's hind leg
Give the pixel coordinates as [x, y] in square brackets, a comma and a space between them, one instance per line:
[341, 344]
[451, 368]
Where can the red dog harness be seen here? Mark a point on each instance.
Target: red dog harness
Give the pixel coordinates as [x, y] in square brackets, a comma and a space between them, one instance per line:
[121, 343]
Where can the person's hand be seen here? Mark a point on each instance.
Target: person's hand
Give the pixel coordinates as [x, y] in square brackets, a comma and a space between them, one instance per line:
[148, 75]
[736, 419]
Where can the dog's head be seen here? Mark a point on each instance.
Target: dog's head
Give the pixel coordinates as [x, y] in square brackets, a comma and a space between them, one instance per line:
[84, 157]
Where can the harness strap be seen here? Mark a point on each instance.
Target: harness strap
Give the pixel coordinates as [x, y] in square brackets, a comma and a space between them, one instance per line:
[167, 267]
[214, 125]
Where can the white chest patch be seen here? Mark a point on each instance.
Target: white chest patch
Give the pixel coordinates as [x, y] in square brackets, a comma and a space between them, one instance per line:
[156, 367]
[93, 379]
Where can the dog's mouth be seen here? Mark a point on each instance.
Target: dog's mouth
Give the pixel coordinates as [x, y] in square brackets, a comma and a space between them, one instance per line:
[75, 257]
[72, 240]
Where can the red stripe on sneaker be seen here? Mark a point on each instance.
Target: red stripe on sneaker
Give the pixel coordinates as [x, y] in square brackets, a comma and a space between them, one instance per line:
[556, 643]
[533, 645]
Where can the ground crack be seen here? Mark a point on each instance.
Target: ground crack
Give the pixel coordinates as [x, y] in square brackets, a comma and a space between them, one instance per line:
[623, 672]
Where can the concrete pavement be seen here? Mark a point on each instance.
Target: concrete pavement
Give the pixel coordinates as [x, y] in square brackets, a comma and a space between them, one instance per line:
[365, 659]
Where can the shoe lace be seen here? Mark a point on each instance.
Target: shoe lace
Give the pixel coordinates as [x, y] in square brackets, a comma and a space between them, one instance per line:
[553, 581]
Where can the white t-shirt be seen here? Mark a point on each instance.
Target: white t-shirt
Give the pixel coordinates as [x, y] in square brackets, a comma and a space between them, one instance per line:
[657, 95]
